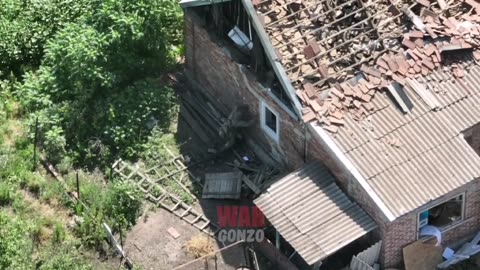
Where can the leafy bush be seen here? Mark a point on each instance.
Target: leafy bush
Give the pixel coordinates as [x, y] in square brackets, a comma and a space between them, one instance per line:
[153, 150]
[123, 204]
[118, 204]
[90, 230]
[94, 92]
[26, 25]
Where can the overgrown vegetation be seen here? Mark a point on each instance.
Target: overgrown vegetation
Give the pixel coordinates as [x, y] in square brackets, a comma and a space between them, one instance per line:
[91, 73]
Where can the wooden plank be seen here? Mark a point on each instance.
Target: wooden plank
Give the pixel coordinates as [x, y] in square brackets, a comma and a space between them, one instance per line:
[194, 124]
[251, 185]
[272, 57]
[421, 255]
[174, 233]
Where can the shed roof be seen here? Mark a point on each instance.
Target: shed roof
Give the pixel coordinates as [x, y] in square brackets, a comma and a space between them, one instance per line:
[311, 212]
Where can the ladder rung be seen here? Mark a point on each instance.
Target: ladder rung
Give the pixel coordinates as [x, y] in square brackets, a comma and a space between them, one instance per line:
[176, 205]
[186, 211]
[197, 219]
[205, 225]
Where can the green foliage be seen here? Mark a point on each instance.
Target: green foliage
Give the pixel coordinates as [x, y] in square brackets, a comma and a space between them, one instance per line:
[66, 258]
[53, 192]
[118, 204]
[123, 204]
[58, 234]
[95, 92]
[34, 184]
[15, 246]
[26, 25]
[90, 71]
[90, 230]
[153, 150]
[6, 194]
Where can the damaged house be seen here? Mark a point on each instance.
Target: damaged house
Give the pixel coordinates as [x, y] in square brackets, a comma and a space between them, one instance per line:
[374, 105]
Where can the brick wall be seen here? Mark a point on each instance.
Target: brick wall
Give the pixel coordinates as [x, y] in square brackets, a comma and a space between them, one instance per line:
[403, 231]
[233, 84]
[230, 83]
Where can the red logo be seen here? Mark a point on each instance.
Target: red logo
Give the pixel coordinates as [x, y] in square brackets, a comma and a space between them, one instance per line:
[240, 217]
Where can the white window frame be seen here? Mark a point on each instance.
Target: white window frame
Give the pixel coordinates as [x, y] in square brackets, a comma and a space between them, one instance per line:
[448, 227]
[274, 135]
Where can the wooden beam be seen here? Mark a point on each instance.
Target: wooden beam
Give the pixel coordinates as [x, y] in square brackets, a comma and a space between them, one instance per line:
[272, 57]
[329, 50]
[197, 3]
[332, 23]
[306, 8]
[349, 67]
[251, 185]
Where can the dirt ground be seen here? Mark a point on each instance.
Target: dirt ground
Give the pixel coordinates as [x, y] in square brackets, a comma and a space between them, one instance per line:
[150, 246]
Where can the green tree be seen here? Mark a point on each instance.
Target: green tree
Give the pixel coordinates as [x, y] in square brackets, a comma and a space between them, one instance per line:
[26, 25]
[97, 87]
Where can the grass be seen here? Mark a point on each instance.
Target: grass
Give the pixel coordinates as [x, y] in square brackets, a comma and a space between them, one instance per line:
[159, 149]
[6, 194]
[34, 207]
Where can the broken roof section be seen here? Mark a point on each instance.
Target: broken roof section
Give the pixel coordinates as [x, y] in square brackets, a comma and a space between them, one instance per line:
[340, 53]
[412, 159]
[322, 39]
[311, 213]
[394, 82]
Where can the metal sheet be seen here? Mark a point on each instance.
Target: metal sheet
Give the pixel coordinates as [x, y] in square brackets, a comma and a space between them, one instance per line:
[431, 157]
[311, 212]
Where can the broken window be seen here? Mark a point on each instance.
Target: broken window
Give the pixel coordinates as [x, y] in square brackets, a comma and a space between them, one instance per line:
[230, 24]
[269, 121]
[443, 215]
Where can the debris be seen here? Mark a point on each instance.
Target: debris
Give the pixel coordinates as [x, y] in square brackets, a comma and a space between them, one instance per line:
[466, 251]
[173, 232]
[251, 185]
[199, 246]
[225, 185]
[136, 246]
[339, 51]
[429, 230]
[243, 167]
[420, 255]
[240, 39]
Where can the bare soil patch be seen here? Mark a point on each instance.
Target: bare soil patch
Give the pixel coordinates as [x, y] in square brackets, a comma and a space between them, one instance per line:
[150, 246]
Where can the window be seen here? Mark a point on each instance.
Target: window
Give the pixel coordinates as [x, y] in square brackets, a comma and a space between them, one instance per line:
[443, 215]
[269, 121]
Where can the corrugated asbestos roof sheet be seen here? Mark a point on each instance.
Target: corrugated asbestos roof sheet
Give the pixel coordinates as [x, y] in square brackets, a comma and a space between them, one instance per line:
[411, 159]
[311, 212]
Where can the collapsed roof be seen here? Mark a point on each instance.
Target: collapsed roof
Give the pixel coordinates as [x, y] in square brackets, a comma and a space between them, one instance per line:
[339, 53]
[394, 82]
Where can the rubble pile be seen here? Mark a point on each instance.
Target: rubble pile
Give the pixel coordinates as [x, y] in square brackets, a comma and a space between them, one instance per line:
[339, 54]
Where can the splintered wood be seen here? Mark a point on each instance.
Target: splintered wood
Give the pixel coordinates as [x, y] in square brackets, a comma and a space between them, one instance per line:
[339, 54]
